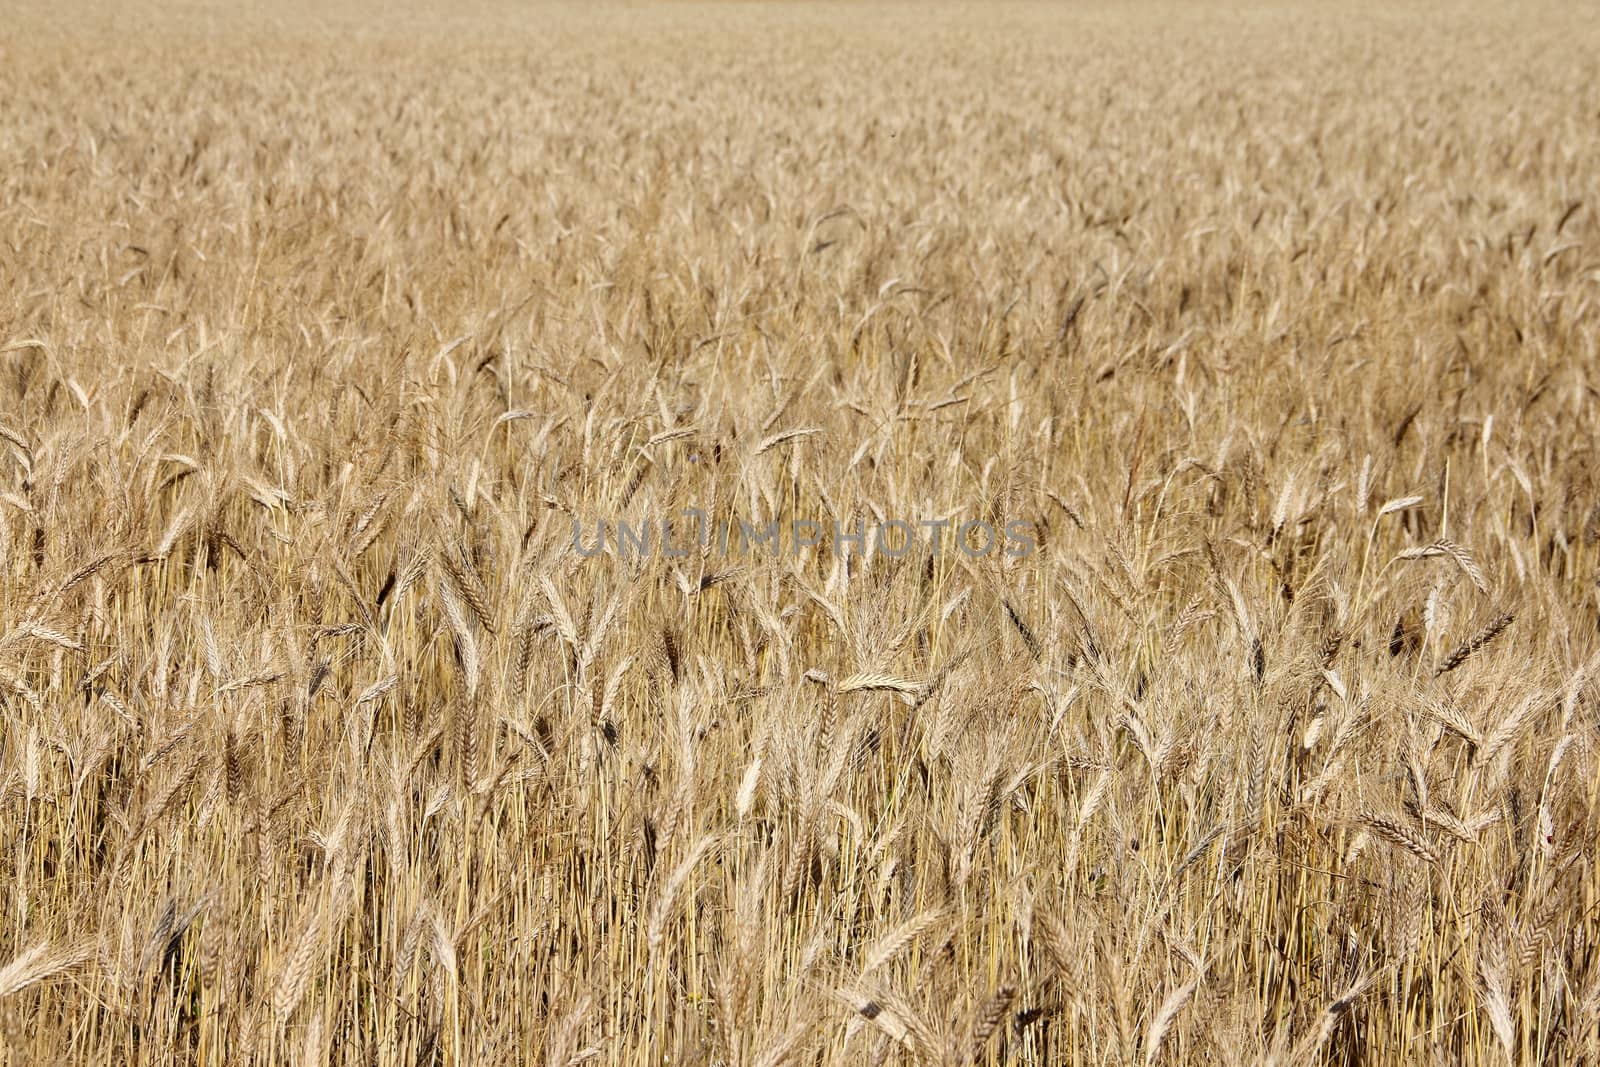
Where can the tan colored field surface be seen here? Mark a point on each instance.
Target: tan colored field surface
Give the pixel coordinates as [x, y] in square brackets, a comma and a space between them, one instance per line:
[1271, 331]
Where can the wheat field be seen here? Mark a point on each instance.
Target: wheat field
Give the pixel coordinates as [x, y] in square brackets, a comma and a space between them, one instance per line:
[337, 340]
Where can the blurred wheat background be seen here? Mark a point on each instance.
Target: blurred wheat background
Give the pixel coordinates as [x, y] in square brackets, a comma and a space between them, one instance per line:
[321, 324]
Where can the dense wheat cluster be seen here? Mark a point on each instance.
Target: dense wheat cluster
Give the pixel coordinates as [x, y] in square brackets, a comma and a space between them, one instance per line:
[323, 329]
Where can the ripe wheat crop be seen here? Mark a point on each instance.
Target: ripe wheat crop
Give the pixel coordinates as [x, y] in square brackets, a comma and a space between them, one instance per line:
[327, 329]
